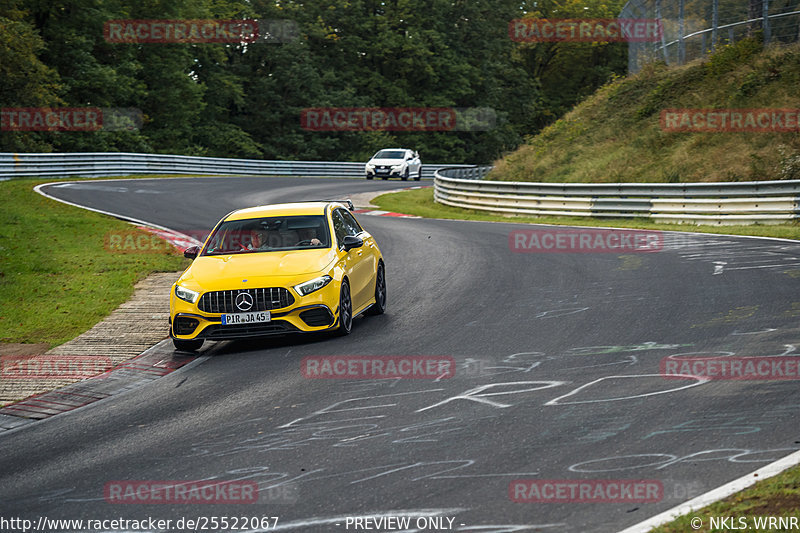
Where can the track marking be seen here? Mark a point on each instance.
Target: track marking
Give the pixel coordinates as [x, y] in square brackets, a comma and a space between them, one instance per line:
[555, 401]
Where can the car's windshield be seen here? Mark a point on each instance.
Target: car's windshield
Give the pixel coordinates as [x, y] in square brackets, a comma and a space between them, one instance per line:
[268, 234]
[390, 154]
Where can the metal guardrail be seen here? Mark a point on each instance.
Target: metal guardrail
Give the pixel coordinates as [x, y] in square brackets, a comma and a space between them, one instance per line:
[468, 173]
[100, 164]
[464, 186]
[766, 202]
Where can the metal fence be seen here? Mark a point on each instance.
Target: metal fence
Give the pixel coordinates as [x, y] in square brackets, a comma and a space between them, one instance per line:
[97, 164]
[766, 202]
[693, 28]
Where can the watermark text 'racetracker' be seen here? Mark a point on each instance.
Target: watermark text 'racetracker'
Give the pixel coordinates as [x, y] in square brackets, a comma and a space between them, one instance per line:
[731, 120]
[585, 30]
[397, 119]
[378, 367]
[86, 119]
[50, 366]
[552, 240]
[180, 492]
[733, 368]
[586, 490]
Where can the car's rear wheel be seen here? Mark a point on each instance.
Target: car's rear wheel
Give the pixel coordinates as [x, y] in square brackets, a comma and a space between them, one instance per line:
[379, 306]
[345, 311]
[187, 346]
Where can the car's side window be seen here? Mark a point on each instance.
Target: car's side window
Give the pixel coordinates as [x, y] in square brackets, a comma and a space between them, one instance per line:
[353, 227]
[339, 227]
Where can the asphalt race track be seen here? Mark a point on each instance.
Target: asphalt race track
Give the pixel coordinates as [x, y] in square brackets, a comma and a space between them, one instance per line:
[558, 358]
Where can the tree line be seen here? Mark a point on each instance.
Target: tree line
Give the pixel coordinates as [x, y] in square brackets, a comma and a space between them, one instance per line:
[245, 99]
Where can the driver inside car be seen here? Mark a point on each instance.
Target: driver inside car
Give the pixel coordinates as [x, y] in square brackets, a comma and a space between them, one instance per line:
[309, 236]
[263, 239]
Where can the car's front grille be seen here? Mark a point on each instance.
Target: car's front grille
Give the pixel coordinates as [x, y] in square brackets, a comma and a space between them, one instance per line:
[219, 332]
[263, 300]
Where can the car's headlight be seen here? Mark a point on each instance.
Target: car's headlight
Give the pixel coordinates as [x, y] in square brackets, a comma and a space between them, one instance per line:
[370, 166]
[313, 285]
[398, 167]
[186, 294]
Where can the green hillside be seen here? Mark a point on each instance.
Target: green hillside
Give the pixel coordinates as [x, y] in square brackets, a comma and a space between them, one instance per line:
[616, 134]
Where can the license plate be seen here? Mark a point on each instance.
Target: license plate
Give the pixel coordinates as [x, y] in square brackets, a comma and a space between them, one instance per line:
[234, 319]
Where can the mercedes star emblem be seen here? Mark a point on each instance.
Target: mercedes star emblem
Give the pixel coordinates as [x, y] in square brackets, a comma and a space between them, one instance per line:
[244, 302]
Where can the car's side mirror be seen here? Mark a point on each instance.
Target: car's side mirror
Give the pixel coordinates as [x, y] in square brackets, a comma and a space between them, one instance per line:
[351, 241]
[191, 252]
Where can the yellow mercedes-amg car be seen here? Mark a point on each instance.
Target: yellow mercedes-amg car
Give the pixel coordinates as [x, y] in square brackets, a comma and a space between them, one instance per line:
[277, 269]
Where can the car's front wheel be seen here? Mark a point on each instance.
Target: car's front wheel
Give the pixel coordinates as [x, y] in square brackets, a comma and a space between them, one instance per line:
[187, 346]
[369, 176]
[345, 311]
[379, 306]
[405, 175]
[419, 174]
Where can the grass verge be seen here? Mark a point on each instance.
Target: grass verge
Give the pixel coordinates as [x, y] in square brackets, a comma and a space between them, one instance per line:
[420, 202]
[57, 278]
[777, 496]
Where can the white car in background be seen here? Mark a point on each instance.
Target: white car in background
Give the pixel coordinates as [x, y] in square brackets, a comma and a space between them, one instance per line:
[394, 163]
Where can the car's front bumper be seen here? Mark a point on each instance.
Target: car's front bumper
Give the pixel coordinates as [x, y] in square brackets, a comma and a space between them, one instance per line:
[315, 312]
[375, 173]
